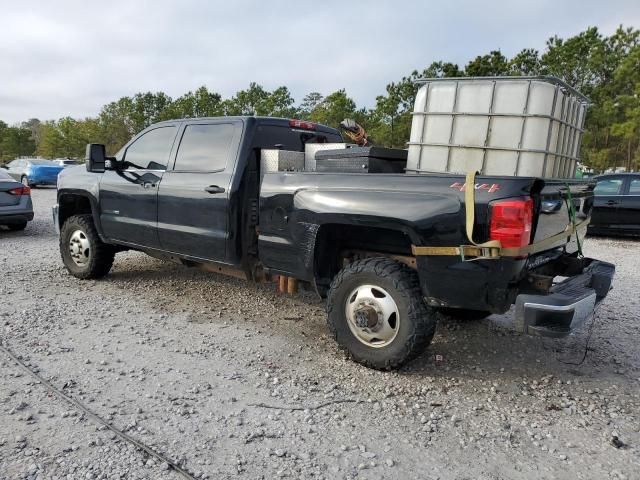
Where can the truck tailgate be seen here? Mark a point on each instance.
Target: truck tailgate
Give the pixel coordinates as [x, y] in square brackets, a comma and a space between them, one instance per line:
[557, 200]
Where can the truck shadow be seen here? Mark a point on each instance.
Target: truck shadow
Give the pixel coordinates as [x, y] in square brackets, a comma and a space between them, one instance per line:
[468, 349]
[490, 349]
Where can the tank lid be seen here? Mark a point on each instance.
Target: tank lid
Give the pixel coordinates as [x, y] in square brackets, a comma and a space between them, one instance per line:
[540, 78]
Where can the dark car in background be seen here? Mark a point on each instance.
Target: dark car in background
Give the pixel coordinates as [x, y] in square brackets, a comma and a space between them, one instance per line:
[15, 203]
[616, 209]
[34, 171]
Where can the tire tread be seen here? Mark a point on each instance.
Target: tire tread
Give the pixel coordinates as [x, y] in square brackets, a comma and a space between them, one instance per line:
[103, 254]
[422, 318]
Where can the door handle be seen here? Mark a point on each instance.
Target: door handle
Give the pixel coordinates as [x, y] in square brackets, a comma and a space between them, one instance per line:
[148, 185]
[612, 202]
[214, 189]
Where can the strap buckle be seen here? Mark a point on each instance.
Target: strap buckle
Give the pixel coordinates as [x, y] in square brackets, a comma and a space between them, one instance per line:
[478, 252]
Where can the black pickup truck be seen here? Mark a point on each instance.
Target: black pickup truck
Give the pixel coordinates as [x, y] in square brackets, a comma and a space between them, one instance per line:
[389, 252]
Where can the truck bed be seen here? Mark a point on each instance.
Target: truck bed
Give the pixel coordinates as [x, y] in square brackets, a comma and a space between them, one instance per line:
[429, 210]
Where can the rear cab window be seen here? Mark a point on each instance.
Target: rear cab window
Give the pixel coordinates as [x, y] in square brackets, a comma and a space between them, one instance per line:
[289, 138]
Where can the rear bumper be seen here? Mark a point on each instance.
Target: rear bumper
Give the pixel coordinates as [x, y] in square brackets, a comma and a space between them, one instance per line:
[568, 305]
[22, 212]
[16, 218]
[43, 180]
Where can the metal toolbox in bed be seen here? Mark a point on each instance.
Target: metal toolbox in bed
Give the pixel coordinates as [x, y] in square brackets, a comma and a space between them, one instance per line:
[362, 160]
[274, 160]
[311, 149]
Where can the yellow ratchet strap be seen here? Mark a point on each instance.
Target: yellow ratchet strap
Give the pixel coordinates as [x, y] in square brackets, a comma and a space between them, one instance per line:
[491, 249]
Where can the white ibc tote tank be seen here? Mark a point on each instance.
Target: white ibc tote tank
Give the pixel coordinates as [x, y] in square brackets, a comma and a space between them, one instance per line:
[522, 126]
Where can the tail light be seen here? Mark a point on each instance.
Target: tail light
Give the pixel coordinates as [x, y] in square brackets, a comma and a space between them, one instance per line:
[18, 191]
[511, 222]
[302, 124]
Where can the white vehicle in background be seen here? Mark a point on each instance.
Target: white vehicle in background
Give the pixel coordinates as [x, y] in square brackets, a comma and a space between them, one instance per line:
[65, 162]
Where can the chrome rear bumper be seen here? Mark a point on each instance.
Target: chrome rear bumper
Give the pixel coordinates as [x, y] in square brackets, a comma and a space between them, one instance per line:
[568, 305]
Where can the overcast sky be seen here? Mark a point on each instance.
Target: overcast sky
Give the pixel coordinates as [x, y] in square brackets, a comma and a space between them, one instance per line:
[70, 58]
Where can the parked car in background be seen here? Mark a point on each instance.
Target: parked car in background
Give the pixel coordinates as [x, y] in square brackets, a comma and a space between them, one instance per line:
[65, 162]
[15, 203]
[34, 171]
[616, 208]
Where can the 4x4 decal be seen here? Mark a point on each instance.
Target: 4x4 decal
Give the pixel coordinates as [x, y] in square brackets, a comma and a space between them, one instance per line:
[494, 187]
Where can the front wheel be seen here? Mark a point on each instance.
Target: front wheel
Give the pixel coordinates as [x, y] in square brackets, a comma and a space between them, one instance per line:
[25, 181]
[82, 251]
[377, 314]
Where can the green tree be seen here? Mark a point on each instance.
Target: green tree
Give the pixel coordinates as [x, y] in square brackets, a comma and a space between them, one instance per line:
[626, 128]
[51, 140]
[594, 64]
[201, 103]
[15, 142]
[34, 125]
[247, 102]
[334, 108]
[525, 62]
[116, 124]
[279, 103]
[309, 103]
[3, 128]
[257, 101]
[147, 109]
[389, 123]
[492, 65]
[580, 60]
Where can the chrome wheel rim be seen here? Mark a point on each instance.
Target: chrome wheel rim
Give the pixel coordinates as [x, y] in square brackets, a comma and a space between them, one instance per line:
[25, 181]
[372, 316]
[80, 248]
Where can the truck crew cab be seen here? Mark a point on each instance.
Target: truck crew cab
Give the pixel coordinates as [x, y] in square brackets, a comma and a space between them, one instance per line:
[390, 252]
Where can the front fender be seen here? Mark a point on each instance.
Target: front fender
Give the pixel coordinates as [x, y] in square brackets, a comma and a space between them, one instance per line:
[77, 182]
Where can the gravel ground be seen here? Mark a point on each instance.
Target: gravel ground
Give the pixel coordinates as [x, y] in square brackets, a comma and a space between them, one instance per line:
[185, 361]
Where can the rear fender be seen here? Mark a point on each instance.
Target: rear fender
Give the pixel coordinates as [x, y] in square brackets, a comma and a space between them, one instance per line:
[292, 240]
[420, 216]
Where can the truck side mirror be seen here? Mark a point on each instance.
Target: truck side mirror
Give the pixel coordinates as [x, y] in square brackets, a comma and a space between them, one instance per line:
[95, 157]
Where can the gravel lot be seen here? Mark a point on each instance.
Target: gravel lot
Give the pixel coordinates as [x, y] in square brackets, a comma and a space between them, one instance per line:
[180, 359]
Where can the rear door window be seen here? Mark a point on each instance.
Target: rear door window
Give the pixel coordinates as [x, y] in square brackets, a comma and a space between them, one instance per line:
[634, 187]
[608, 186]
[205, 147]
[151, 150]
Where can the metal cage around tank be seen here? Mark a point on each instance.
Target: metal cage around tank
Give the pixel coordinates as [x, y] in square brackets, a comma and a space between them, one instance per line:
[524, 126]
